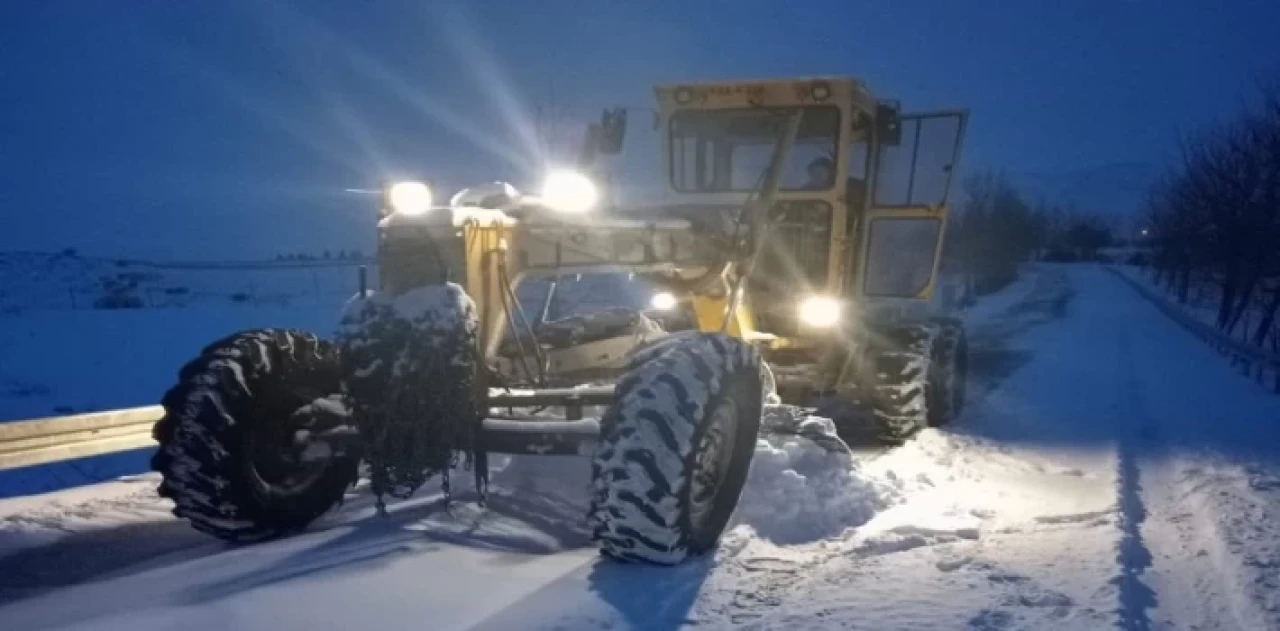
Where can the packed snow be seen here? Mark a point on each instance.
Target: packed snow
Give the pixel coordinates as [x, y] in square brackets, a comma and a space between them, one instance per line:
[1108, 471]
[798, 491]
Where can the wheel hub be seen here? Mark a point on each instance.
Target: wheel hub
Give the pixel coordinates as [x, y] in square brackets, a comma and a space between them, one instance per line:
[714, 453]
[277, 463]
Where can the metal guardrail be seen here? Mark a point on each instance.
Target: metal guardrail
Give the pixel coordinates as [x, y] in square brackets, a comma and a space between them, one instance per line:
[46, 440]
[1254, 362]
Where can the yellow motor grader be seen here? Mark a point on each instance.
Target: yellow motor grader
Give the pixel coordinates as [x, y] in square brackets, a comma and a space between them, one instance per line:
[794, 256]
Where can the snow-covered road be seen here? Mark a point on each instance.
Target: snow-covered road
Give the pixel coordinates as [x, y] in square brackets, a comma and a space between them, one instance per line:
[1110, 471]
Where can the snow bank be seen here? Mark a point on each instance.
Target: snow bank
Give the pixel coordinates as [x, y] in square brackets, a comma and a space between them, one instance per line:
[990, 306]
[798, 491]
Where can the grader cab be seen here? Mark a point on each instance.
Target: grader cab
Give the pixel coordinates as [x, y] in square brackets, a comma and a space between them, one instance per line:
[795, 256]
[852, 242]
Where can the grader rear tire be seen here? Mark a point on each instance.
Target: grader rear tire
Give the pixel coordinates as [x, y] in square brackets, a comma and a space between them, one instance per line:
[675, 448]
[948, 370]
[900, 382]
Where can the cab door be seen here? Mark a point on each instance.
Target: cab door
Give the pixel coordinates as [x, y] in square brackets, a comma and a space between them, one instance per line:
[902, 232]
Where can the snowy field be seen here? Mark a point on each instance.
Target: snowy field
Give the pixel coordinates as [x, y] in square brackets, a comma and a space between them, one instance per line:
[1109, 472]
[59, 362]
[41, 282]
[59, 354]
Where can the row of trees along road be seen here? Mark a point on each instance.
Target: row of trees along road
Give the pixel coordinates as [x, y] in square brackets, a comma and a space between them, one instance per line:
[995, 229]
[1214, 221]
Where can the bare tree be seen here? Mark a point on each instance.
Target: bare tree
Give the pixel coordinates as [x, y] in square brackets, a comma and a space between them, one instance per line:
[1215, 219]
[995, 231]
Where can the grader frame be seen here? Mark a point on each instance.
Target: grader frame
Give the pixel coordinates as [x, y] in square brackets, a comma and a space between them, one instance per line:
[819, 285]
[490, 251]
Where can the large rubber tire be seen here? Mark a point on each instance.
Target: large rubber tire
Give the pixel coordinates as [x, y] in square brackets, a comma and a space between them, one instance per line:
[226, 434]
[948, 371]
[900, 367]
[675, 448]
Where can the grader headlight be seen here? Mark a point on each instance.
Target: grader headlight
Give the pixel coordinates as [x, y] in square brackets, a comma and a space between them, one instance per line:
[664, 301]
[407, 198]
[820, 311]
[569, 192]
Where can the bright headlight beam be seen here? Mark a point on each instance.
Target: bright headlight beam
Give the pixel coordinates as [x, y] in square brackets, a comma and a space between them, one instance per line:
[569, 191]
[663, 301]
[409, 198]
[819, 311]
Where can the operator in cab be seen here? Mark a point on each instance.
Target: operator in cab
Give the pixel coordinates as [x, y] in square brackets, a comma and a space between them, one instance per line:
[821, 172]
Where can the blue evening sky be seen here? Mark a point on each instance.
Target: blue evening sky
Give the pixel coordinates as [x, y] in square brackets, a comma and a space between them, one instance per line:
[188, 129]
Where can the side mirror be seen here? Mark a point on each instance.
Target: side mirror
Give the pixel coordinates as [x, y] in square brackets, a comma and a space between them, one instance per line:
[888, 124]
[612, 131]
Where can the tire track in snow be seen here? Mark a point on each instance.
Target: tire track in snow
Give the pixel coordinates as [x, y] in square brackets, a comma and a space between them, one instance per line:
[1214, 535]
[1209, 496]
[1137, 599]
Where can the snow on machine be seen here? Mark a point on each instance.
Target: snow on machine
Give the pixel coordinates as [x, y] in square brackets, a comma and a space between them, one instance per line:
[796, 256]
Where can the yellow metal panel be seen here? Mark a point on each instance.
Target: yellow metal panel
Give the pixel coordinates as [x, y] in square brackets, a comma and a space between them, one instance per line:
[709, 312]
[760, 93]
[485, 247]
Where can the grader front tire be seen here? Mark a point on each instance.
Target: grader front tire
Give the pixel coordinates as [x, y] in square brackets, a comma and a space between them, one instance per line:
[227, 455]
[675, 448]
